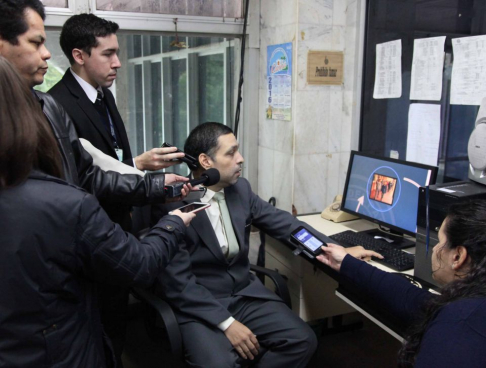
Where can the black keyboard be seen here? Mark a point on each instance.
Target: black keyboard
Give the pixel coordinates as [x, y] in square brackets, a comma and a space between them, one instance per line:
[393, 258]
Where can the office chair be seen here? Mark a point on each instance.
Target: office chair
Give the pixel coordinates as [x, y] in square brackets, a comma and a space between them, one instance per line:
[161, 323]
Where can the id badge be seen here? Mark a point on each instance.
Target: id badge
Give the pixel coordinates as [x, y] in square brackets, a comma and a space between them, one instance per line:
[119, 154]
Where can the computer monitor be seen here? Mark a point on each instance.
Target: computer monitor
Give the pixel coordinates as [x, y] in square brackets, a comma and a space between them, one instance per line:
[385, 191]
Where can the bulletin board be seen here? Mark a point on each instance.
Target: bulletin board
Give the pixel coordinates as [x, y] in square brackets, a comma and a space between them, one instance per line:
[384, 122]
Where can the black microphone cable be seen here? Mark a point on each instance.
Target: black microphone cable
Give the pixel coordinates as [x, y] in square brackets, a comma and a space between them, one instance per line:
[240, 83]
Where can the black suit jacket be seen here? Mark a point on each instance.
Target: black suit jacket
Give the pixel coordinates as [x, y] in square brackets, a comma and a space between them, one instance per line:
[89, 126]
[86, 119]
[200, 283]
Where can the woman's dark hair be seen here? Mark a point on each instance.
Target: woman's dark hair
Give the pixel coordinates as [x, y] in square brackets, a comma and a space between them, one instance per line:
[12, 19]
[26, 139]
[204, 139]
[80, 32]
[466, 226]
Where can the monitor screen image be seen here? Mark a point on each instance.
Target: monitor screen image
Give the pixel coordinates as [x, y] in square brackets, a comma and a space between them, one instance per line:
[385, 190]
[382, 188]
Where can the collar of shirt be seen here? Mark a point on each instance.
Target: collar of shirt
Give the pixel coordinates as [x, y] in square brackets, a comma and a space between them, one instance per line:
[90, 91]
[209, 195]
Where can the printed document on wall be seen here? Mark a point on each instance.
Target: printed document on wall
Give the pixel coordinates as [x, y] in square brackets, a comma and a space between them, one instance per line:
[388, 73]
[423, 133]
[427, 66]
[468, 82]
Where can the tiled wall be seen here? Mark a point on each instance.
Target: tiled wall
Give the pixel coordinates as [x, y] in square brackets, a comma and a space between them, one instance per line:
[304, 161]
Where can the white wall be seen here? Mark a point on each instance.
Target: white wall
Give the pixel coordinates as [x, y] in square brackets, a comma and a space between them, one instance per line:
[304, 161]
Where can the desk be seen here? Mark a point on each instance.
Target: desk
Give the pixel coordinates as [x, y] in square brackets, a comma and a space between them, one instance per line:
[310, 288]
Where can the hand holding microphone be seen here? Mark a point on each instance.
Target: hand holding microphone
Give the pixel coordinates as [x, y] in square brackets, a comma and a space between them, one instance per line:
[208, 178]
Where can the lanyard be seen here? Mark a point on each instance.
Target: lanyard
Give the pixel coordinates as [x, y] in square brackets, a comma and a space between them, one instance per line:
[112, 128]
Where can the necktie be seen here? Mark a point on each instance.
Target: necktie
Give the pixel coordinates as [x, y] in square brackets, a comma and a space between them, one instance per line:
[233, 247]
[100, 106]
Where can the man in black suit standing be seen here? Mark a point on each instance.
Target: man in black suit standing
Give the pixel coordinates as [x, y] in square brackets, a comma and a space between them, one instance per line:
[225, 313]
[90, 43]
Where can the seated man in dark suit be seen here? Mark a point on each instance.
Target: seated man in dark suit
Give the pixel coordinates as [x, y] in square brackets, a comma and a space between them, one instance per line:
[223, 310]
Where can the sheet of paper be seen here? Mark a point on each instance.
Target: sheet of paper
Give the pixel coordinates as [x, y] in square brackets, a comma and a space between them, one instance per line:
[468, 82]
[388, 74]
[427, 66]
[423, 133]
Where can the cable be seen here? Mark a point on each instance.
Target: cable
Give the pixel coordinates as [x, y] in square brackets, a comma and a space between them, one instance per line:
[240, 83]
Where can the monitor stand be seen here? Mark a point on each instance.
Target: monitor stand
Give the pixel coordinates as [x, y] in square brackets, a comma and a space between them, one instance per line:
[398, 242]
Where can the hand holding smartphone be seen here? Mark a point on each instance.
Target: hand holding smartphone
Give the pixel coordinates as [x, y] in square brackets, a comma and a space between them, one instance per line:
[188, 212]
[194, 207]
[307, 240]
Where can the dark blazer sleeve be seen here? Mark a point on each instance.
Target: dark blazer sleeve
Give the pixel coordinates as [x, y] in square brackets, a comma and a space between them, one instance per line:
[393, 292]
[271, 220]
[106, 253]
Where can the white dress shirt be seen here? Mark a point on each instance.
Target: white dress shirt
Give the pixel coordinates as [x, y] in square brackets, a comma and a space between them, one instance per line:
[214, 215]
[90, 91]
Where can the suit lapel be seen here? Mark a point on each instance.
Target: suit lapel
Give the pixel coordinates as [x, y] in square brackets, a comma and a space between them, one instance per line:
[204, 229]
[237, 215]
[87, 106]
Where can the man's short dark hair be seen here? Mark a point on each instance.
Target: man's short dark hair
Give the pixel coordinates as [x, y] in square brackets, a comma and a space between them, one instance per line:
[80, 32]
[204, 139]
[12, 18]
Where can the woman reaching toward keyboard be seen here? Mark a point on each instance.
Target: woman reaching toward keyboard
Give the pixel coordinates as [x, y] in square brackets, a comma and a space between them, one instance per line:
[447, 330]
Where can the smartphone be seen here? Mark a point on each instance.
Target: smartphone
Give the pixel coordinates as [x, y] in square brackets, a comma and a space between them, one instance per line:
[306, 239]
[188, 159]
[194, 207]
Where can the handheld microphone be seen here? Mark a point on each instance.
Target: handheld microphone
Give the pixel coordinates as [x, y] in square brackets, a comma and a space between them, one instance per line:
[208, 178]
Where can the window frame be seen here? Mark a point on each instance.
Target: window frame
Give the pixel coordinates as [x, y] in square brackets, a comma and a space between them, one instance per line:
[131, 21]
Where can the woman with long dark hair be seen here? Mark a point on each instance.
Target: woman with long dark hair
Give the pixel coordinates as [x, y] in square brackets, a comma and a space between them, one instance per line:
[446, 330]
[55, 242]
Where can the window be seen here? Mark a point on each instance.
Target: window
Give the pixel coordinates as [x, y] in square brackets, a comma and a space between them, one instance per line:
[162, 91]
[55, 3]
[208, 8]
[171, 90]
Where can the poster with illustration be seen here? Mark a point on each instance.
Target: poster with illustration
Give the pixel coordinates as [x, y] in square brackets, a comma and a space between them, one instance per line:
[279, 82]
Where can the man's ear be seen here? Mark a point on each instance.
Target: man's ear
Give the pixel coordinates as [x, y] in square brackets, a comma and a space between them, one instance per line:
[78, 56]
[205, 161]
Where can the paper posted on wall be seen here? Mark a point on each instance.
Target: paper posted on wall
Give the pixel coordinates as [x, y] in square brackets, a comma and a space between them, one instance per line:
[388, 73]
[427, 67]
[423, 136]
[468, 81]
